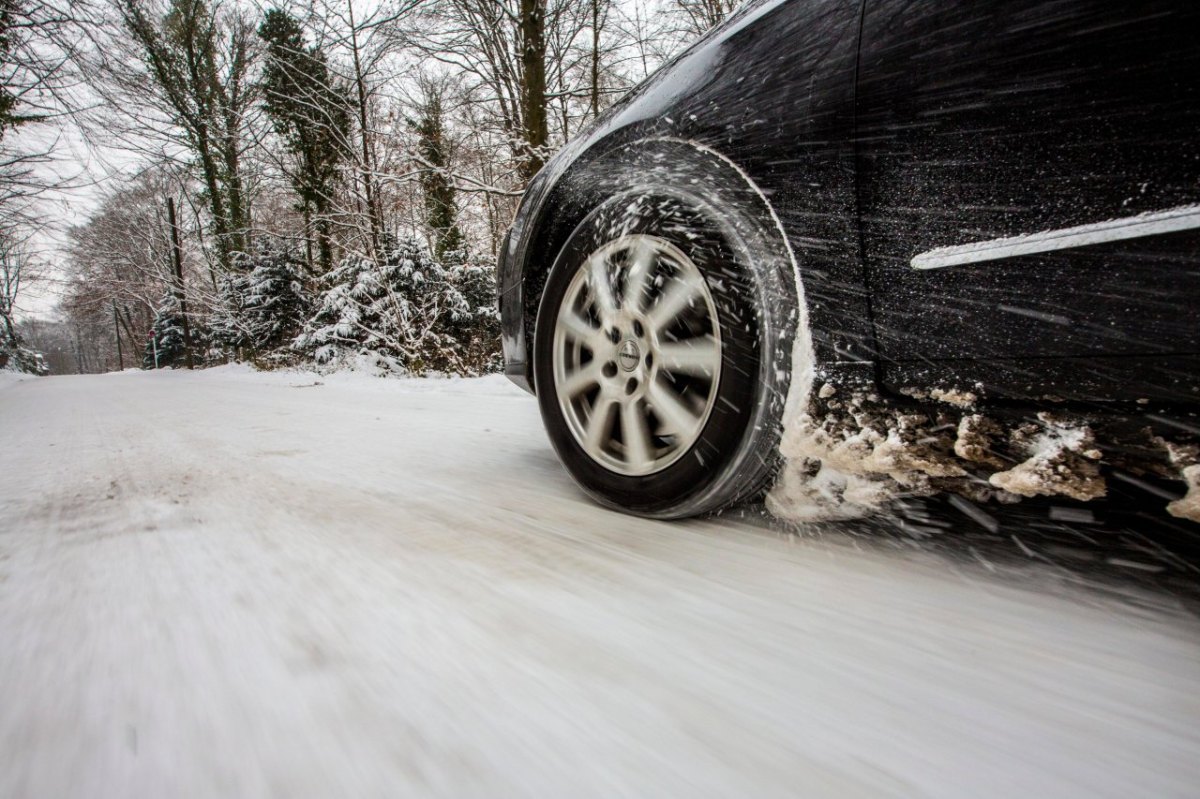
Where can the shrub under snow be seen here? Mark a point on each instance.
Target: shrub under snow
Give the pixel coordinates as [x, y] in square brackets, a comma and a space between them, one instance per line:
[263, 305]
[407, 312]
[16, 357]
[165, 346]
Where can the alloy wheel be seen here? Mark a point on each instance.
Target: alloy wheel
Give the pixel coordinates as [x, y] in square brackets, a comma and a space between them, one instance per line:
[637, 354]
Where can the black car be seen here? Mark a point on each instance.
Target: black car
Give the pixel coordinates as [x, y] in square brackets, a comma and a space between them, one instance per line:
[949, 242]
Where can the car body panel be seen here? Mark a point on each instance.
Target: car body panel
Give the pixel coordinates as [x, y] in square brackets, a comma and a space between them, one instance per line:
[1027, 119]
[948, 124]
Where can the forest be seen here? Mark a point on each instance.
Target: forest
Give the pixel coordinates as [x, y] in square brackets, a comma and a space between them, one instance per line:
[188, 182]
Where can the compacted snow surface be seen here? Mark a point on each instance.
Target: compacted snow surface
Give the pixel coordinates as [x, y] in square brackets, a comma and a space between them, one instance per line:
[234, 584]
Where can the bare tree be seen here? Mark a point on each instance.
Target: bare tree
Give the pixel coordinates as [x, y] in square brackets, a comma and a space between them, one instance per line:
[123, 256]
[18, 269]
[52, 338]
[40, 44]
[367, 36]
[504, 46]
[388, 119]
[701, 15]
[16, 272]
[179, 77]
[599, 10]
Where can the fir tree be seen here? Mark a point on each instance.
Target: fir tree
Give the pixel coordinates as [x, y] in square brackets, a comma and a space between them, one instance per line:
[165, 346]
[263, 305]
[441, 212]
[274, 304]
[228, 331]
[407, 311]
[384, 309]
[336, 328]
[476, 328]
[308, 109]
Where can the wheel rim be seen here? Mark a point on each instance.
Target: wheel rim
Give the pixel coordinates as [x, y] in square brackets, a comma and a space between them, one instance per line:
[637, 355]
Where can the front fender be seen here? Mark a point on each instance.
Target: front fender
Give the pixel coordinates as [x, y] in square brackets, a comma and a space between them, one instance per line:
[617, 168]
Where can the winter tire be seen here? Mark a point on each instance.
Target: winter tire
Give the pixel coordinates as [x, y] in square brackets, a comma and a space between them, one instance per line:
[660, 351]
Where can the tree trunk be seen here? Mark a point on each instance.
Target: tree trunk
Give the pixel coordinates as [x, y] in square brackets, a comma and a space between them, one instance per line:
[127, 323]
[216, 200]
[308, 239]
[533, 73]
[79, 359]
[238, 212]
[595, 58]
[11, 332]
[360, 85]
[324, 245]
[180, 296]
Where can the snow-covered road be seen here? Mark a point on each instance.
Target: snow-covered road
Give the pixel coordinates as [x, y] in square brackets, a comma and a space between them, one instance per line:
[229, 584]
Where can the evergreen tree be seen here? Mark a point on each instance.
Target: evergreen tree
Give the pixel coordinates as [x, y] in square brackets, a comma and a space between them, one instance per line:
[274, 304]
[228, 331]
[8, 100]
[422, 300]
[308, 110]
[165, 347]
[335, 329]
[476, 325]
[407, 311]
[263, 305]
[441, 212]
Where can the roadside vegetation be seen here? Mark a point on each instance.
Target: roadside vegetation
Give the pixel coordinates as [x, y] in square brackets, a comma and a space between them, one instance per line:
[293, 183]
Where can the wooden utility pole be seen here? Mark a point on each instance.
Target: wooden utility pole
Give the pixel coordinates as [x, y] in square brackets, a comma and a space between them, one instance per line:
[177, 255]
[117, 335]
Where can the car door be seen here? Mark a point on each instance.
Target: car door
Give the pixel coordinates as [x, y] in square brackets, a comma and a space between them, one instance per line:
[1029, 193]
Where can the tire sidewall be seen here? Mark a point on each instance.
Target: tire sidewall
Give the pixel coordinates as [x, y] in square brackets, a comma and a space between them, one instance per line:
[744, 419]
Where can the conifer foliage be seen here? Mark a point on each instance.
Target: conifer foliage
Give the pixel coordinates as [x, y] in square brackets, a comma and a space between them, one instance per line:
[165, 345]
[16, 357]
[433, 148]
[230, 334]
[308, 109]
[406, 312]
[475, 326]
[263, 304]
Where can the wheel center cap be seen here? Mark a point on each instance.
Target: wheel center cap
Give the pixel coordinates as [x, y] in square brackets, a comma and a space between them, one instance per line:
[629, 355]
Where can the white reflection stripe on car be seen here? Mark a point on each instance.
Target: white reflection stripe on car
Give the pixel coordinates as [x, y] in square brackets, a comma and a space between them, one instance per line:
[1155, 223]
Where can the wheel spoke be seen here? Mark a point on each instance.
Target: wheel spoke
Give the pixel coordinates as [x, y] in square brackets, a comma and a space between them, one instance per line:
[636, 433]
[637, 282]
[600, 284]
[637, 354]
[679, 295]
[581, 380]
[676, 417]
[580, 329]
[598, 422]
[699, 357]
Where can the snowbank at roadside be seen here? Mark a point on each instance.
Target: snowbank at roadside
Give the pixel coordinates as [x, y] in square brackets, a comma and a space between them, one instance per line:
[360, 374]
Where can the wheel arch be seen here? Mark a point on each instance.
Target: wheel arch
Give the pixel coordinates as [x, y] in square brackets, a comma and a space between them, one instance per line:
[605, 171]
